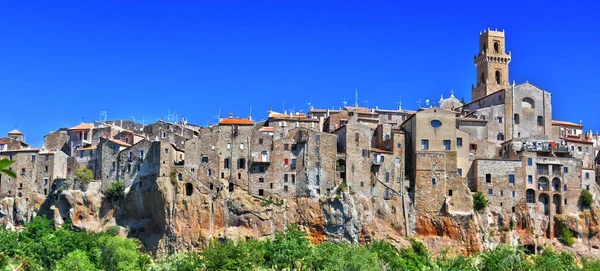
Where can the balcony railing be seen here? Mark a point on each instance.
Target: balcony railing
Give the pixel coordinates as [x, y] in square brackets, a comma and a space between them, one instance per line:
[261, 159]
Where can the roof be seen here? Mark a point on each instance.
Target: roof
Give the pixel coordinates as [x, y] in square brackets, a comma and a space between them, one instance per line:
[565, 123]
[15, 131]
[120, 142]
[470, 119]
[88, 148]
[236, 121]
[576, 140]
[266, 129]
[82, 126]
[23, 150]
[380, 150]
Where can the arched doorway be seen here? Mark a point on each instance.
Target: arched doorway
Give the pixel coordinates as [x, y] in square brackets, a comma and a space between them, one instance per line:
[543, 184]
[556, 204]
[556, 184]
[545, 199]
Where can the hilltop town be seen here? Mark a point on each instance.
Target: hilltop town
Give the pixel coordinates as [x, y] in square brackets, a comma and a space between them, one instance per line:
[354, 174]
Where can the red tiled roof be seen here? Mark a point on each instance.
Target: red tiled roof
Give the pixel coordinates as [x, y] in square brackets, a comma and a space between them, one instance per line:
[576, 140]
[91, 148]
[82, 126]
[565, 123]
[266, 129]
[232, 121]
[120, 142]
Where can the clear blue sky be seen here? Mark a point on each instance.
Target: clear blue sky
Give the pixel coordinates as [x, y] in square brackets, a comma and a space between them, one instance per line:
[61, 61]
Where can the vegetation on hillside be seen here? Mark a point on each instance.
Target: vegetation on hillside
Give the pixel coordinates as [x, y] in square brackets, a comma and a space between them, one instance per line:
[41, 246]
[587, 199]
[479, 201]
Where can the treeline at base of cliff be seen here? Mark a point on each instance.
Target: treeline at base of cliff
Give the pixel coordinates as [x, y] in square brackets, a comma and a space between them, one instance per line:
[41, 246]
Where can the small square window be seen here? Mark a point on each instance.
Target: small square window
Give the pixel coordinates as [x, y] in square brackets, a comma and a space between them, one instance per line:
[425, 144]
[459, 172]
[566, 169]
[490, 191]
[488, 178]
[459, 141]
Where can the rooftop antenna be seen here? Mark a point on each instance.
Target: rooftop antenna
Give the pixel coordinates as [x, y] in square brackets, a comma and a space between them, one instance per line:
[427, 102]
[344, 102]
[309, 102]
[367, 102]
[250, 111]
[452, 93]
[419, 103]
[103, 116]
[218, 116]
[400, 103]
[356, 98]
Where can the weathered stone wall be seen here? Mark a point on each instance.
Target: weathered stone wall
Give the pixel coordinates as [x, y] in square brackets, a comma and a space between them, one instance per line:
[502, 195]
[57, 141]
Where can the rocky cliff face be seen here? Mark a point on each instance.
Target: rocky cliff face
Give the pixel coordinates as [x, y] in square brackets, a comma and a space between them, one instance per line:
[168, 218]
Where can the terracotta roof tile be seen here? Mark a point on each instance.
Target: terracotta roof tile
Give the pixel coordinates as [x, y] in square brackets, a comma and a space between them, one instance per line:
[266, 129]
[90, 148]
[576, 140]
[232, 121]
[380, 150]
[120, 142]
[82, 126]
[565, 123]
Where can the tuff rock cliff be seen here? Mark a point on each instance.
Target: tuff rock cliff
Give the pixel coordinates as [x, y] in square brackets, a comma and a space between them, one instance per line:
[168, 218]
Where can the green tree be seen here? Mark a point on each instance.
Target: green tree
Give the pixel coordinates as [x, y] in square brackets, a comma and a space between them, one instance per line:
[479, 201]
[586, 198]
[567, 237]
[75, 261]
[5, 168]
[503, 258]
[117, 254]
[84, 175]
[290, 249]
[116, 190]
[341, 257]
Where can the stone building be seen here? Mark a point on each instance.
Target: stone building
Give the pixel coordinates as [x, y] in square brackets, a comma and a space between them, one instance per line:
[80, 136]
[107, 153]
[431, 163]
[14, 141]
[57, 141]
[176, 133]
[492, 64]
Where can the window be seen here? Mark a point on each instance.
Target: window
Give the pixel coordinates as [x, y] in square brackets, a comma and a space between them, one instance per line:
[164, 134]
[514, 194]
[389, 117]
[166, 151]
[387, 177]
[502, 193]
[433, 181]
[565, 201]
[142, 154]
[318, 164]
[293, 178]
[511, 178]
[128, 168]
[286, 147]
[318, 149]
[499, 119]
[587, 175]
[180, 176]
[435, 123]
[488, 178]
[365, 153]
[498, 77]
[529, 161]
[241, 146]
[540, 121]
[226, 163]
[397, 161]
[566, 169]
[356, 137]
[490, 191]
[285, 178]
[285, 161]
[565, 187]
[450, 192]
[459, 172]
[483, 117]
[516, 119]
[446, 145]
[229, 146]
[318, 180]
[500, 137]
[23, 171]
[47, 156]
[318, 138]
[261, 180]
[33, 158]
[587, 187]
[399, 145]
[260, 141]
[425, 144]
[285, 188]
[241, 163]
[496, 47]
[529, 179]
[280, 135]
[261, 192]
[387, 137]
[46, 169]
[459, 142]
[115, 148]
[473, 147]
[204, 159]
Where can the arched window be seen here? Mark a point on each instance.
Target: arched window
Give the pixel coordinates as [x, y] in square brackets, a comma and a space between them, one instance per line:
[180, 176]
[484, 48]
[557, 204]
[189, 189]
[496, 47]
[530, 196]
[556, 184]
[498, 77]
[543, 184]
[517, 119]
[527, 103]
[545, 199]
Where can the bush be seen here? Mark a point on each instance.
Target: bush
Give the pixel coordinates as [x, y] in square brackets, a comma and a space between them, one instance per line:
[116, 190]
[587, 199]
[567, 237]
[84, 175]
[479, 201]
[113, 230]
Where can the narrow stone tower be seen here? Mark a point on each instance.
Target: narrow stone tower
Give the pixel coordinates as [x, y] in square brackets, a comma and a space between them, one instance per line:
[492, 64]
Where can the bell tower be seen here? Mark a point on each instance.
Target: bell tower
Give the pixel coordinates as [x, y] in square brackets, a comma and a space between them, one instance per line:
[492, 64]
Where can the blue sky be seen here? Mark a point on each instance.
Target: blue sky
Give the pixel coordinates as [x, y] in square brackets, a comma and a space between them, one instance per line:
[64, 61]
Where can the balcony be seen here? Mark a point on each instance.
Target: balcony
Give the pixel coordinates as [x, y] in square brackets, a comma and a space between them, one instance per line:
[562, 149]
[261, 158]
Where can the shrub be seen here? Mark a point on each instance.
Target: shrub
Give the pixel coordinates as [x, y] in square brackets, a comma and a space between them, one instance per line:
[84, 175]
[113, 230]
[116, 190]
[587, 199]
[479, 201]
[567, 237]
